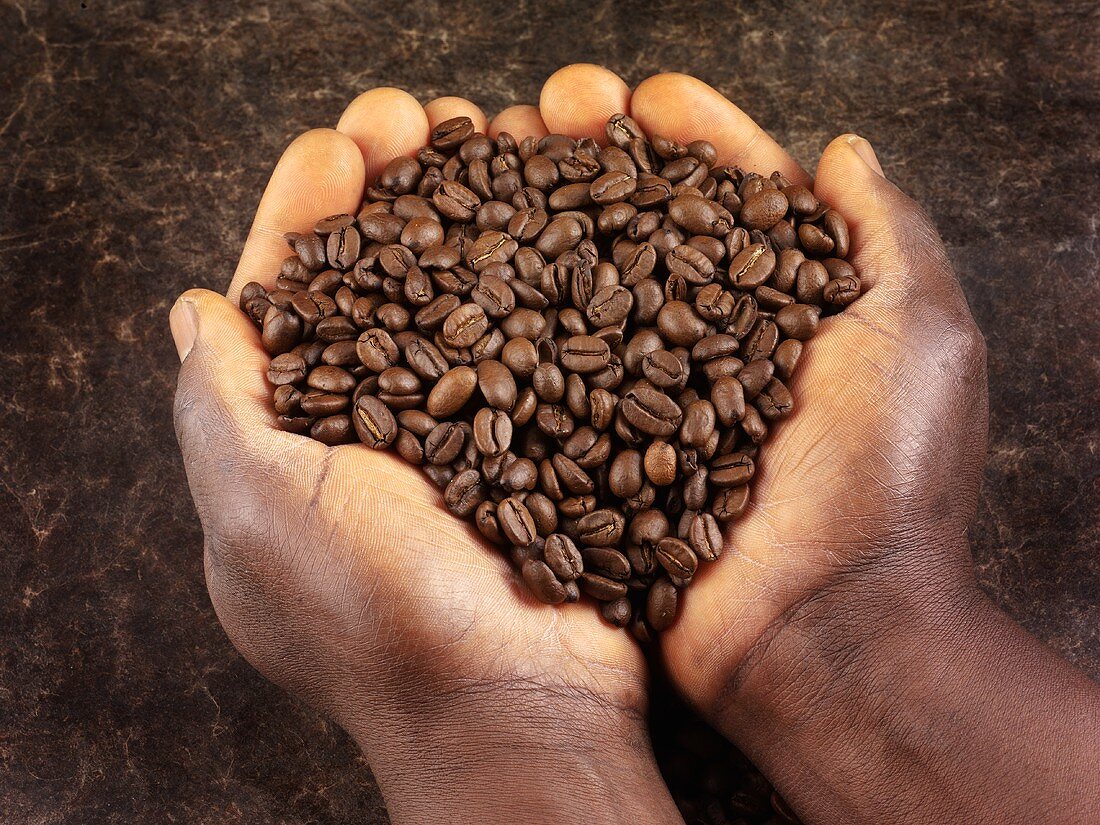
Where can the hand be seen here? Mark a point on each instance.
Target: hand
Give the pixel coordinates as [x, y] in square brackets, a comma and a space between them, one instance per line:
[338, 573]
[841, 640]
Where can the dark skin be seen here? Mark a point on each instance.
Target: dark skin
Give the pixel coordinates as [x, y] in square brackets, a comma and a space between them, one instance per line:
[840, 641]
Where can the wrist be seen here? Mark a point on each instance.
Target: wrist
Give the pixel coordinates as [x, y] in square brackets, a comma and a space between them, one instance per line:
[516, 753]
[906, 698]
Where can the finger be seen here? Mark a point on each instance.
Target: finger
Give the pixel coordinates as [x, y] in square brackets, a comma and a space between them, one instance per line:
[577, 100]
[894, 247]
[685, 109]
[385, 123]
[519, 122]
[319, 174]
[444, 108]
[222, 410]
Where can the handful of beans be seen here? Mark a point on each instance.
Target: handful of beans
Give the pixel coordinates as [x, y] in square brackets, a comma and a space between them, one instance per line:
[583, 346]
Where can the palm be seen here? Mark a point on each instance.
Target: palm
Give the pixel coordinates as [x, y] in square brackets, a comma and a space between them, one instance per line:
[413, 565]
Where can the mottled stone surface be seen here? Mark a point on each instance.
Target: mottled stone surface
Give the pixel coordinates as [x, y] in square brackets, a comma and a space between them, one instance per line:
[135, 139]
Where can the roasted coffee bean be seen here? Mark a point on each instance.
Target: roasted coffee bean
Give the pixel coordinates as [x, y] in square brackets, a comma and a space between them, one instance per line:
[374, 423]
[602, 588]
[616, 612]
[754, 376]
[288, 368]
[444, 443]
[661, 603]
[676, 557]
[679, 324]
[730, 504]
[601, 528]
[542, 582]
[705, 536]
[377, 350]
[450, 134]
[321, 403]
[576, 343]
[651, 411]
[452, 391]
[492, 431]
[752, 266]
[775, 400]
[464, 492]
[606, 562]
[660, 463]
[516, 522]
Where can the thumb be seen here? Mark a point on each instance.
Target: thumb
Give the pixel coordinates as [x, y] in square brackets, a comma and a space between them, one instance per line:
[224, 422]
[895, 248]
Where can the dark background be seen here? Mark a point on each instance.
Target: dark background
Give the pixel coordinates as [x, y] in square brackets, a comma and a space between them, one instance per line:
[135, 140]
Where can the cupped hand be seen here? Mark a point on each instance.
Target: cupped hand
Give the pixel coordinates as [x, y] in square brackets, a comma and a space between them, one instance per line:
[338, 573]
[862, 497]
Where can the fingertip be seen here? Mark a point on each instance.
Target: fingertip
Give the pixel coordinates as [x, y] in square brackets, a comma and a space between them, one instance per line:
[685, 108]
[578, 99]
[520, 122]
[385, 122]
[445, 108]
[320, 173]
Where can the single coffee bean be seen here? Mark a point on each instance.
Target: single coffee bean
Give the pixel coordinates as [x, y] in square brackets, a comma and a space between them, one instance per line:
[516, 522]
[651, 411]
[676, 557]
[601, 528]
[542, 582]
[602, 588]
[464, 492]
[288, 368]
[562, 556]
[492, 431]
[444, 443]
[786, 357]
[374, 423]
[660, 463]
[731, 470]
[606, 562]
[616, 612]
[705, 536]
[661, 603]
[452, 391]
[730, 504]
[775, 400]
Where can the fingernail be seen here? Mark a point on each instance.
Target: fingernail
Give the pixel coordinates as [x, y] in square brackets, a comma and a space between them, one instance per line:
[866, 153]
[184, 323]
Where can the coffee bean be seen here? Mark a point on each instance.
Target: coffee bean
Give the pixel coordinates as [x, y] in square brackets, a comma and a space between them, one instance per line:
[661, 603]
[602, 588]
[705, 536]
[374, 423]
[288, 368]
[676, 557]
[542, 582]
[464, 492]
[452, 391]
[585, 354]
[492, 431]
[516, 522]
[606, 562]
[651, 411]
[752, 266]
[660, 463]
[616, 612]
[601, 528]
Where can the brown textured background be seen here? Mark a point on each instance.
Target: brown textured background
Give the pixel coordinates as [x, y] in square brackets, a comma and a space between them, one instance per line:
[135, 139]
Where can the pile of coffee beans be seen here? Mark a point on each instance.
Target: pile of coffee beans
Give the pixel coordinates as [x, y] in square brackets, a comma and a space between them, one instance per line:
[584, 346]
